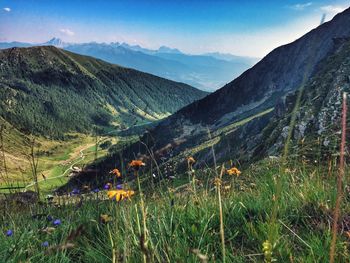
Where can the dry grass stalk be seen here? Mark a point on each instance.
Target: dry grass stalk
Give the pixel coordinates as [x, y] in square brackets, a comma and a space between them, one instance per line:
[339, 183]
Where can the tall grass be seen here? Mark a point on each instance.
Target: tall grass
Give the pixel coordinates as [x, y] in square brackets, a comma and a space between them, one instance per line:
[339, 182]
[183, 226]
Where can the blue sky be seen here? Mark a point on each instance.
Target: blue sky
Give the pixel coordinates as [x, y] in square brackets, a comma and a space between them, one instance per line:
[241, 27]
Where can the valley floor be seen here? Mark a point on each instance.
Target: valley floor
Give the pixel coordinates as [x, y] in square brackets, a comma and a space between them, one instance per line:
[56, 158]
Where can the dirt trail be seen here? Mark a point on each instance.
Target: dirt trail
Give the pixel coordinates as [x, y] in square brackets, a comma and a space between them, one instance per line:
[77, 159]
[76, 153]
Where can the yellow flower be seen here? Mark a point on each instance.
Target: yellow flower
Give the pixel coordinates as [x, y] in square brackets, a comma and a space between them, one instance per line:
[116, 172]
[267, 249]
[233, 171]
[119, 195]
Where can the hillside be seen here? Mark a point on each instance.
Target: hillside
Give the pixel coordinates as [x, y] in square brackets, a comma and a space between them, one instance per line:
[233, 119]
[318, 119]
[261, 88]
[49, 91]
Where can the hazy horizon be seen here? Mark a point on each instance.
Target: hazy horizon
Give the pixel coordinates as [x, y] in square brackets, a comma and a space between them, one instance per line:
[190, 27]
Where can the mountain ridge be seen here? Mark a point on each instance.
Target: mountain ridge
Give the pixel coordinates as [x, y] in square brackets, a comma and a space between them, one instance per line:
[202, 71]
[55, 84]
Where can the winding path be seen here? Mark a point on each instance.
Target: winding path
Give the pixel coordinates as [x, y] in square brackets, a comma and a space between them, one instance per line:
[79, 159]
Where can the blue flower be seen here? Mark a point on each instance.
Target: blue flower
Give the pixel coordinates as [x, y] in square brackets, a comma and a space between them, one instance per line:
[49, 218]
[75, 191]
[119, 186]
[57, 222]
[9, 233]
[96, 190]
[45, 244]
[108, 186]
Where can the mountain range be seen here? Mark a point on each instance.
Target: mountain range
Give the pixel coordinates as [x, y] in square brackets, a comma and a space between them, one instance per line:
[49, 91]
[207, 72]
[245, 120]
[248, 119]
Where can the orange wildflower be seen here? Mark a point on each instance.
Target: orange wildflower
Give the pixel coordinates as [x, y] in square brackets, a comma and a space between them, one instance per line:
[190, 160]
[116, 172]
[136, 164]
[129, 193]
[347, 234]
[233, 171]
[119, 195]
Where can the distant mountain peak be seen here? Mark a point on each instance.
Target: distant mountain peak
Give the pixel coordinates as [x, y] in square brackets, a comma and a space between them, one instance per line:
[165, 49]
[57, 42]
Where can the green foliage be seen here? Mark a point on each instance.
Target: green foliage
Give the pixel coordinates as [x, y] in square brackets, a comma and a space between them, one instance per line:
[105, 145]
[48, 91]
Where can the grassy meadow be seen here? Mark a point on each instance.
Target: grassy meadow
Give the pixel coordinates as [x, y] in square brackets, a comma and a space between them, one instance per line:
[288, 208]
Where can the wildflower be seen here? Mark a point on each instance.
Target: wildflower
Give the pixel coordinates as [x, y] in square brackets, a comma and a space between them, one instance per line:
[136, 164]
[217, 182]
[96, 190]
[119, 195]
[347, 234]
[129, 193]
[190, 160]
[108, 186]
[57, 222]
[49, 218]
[116, 173]
[119, 186]
[9, 233]
[75, 191]
[233, 171]
[267, 249]
[105, 218]
[45, 244]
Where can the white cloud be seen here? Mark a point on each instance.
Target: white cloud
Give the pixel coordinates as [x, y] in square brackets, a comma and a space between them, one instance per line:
[332, 9]
[67, 32]
[7, 9]
[301, 7]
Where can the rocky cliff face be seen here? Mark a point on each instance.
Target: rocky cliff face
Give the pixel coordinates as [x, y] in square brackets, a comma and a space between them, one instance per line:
[318, 120]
